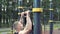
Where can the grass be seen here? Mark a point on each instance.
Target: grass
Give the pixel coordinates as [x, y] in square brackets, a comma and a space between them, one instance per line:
[6, 32]
[47, 27]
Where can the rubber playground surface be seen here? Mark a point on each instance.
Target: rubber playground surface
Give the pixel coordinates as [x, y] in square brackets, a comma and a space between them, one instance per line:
[54, 32]
[46, 32]
[56, 29]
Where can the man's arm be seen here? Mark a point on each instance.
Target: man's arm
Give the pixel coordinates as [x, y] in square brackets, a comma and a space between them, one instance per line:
[21, 17]
[28, 26]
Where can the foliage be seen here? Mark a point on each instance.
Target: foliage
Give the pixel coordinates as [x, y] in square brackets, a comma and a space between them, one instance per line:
[11, 12]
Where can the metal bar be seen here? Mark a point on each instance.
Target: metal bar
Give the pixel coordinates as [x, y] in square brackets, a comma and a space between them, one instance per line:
[51, 18]
[36, 14]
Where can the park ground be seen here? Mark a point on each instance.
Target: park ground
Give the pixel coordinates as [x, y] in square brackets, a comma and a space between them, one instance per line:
[56, 30]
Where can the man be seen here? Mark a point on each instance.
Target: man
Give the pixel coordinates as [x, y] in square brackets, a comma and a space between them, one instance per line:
[0, 19]
[19, 27]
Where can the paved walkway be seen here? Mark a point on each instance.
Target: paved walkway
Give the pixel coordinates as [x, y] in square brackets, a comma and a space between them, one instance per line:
[5, 29]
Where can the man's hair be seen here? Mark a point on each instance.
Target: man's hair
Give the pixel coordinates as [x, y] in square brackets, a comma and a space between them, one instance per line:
[15, 24]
